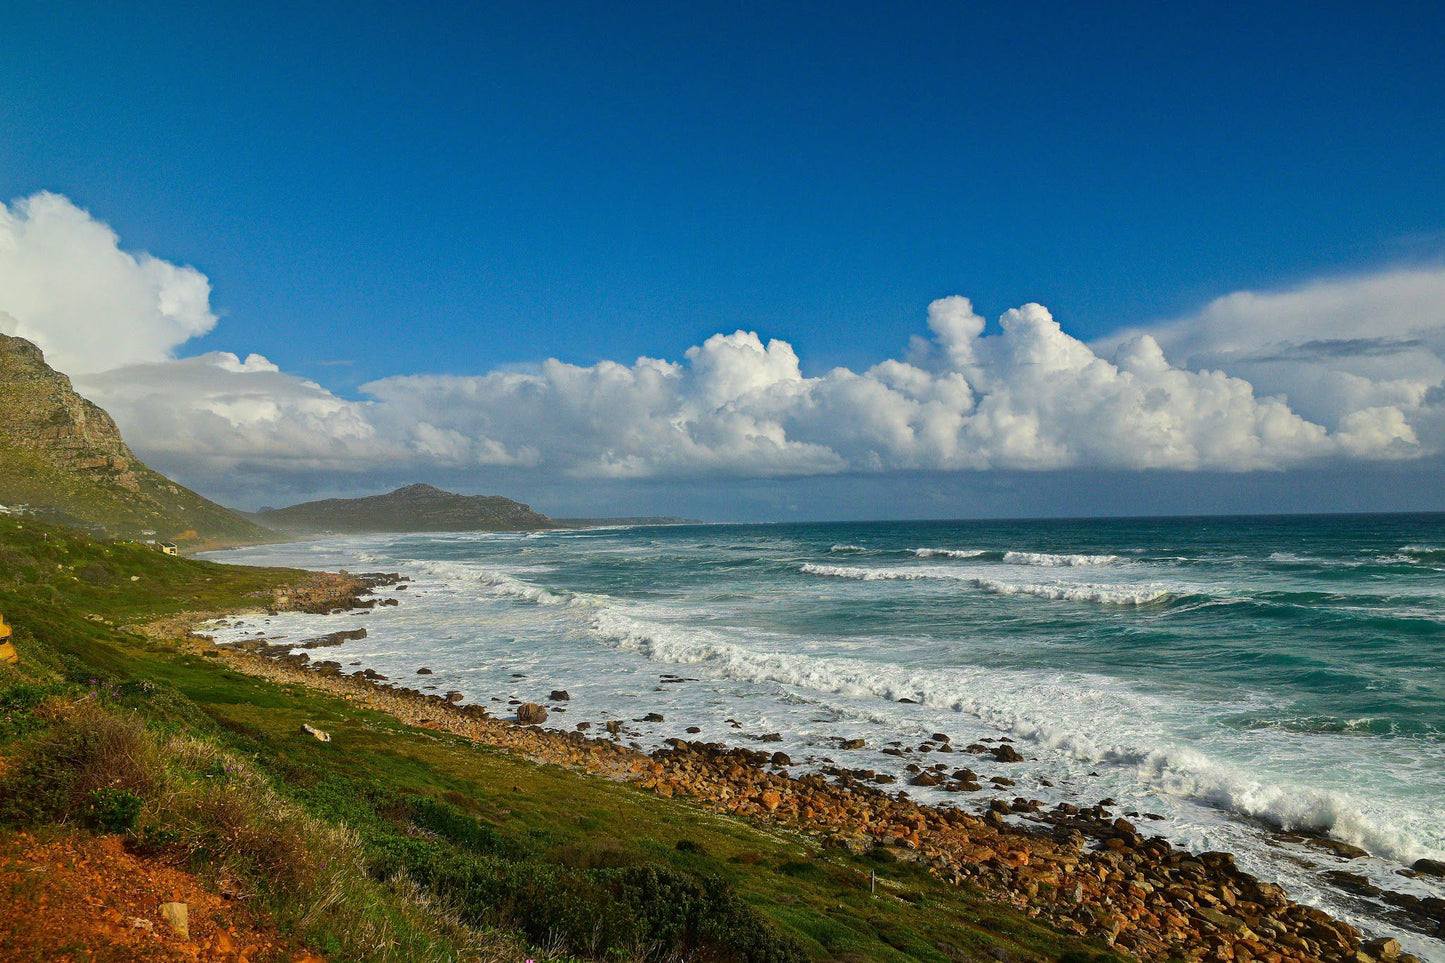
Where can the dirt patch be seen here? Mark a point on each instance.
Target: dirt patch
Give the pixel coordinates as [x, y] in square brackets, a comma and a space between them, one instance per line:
[80, 897]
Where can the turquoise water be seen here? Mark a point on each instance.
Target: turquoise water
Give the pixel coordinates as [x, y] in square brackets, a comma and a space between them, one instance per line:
[1235, 676]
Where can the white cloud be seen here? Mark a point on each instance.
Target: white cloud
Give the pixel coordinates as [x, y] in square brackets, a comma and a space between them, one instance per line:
[1030, 397]
[1332, 372]
[215, 410]
[1330, 348]
[66, 285]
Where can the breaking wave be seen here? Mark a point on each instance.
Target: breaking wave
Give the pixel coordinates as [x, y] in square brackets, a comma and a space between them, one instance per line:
[1078, 724]
[1056, 561]
[949, 552]
[1125, 594]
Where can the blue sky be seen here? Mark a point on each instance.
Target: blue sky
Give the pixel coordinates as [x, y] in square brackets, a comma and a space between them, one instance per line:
[382, 190]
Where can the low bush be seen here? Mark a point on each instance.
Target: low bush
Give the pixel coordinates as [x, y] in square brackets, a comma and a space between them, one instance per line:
[113, 810]
[602, 900]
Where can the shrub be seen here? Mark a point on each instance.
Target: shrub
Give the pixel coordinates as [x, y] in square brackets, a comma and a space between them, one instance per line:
[113, 810]
[86, 751]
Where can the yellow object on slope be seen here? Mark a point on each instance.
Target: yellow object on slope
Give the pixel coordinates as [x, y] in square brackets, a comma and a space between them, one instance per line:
[7, 651]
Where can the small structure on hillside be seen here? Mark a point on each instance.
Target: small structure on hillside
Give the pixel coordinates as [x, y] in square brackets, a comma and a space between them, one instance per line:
[7, 651]
[169, 548]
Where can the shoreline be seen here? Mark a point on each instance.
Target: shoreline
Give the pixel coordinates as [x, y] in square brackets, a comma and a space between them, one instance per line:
[1082, 870]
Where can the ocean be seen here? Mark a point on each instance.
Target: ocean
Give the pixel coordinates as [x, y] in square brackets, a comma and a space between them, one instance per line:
[1255, 682]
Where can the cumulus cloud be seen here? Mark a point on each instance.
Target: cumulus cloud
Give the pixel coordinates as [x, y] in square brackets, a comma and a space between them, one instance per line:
[66, 285]
[1338, 372]
[1028, 397]
[1333, 349]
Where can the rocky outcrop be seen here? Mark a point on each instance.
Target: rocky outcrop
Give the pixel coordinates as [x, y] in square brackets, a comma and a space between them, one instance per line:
[63, 456]
[43, 413]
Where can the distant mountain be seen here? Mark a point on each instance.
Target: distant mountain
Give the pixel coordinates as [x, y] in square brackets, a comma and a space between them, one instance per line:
[63, 458]
[415, 508]
[605, 522]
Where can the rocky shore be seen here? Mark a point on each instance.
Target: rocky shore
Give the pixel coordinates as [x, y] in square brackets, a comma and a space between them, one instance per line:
[1087, 871]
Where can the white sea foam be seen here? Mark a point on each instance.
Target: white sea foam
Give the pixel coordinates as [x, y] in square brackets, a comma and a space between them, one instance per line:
[1090, 720]
[499, 582]
[847, 549]
[1049, 560]
[949, 552]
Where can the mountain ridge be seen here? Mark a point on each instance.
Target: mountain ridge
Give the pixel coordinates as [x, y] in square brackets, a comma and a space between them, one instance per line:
[412, 508]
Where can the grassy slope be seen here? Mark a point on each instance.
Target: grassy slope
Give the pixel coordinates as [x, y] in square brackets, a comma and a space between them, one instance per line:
[170, 510]
[53, 581]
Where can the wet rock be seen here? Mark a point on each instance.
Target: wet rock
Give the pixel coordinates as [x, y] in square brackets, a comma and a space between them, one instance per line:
[531, 714]
[335, 638]
[692, 730]
[1430, 867]
[1007, 754]
[781, 759]
[926, 780]
[614, 726]
[1341, 849]
[454, 697]
[940, 737]
[771, 737]
[560, 695]
[652, 717]
[583, 726]
[850, 744]
[423, 671]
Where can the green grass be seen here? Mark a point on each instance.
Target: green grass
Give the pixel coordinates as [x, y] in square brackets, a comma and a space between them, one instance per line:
[491, 843]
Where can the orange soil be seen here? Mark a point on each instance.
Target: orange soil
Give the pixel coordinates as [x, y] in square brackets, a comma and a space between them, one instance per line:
[84, 898]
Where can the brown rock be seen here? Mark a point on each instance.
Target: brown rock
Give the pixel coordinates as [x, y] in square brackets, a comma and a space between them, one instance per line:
[560, 695]
[531, 714]
[178, 917]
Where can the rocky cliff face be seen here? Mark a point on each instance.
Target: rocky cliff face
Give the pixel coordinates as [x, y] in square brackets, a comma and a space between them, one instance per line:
[62, 454]
[42, 413]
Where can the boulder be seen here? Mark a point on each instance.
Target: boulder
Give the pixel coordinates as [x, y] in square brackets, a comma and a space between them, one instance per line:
[560, 695]
[531, 714]
[1007, 754]
[309, 730]
[851, 744]
[1430, 867]
[1383, 948]
[423, 671]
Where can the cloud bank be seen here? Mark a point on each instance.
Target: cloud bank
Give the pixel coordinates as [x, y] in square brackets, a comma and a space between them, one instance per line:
[1345, 371]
